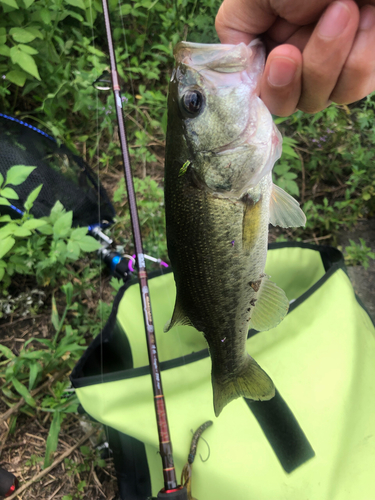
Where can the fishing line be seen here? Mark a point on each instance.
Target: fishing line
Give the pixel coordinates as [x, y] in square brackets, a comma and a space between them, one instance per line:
[95, 61]
[128, 56]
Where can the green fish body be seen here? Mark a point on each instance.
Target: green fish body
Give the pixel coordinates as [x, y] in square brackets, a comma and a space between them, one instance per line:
[219, 200]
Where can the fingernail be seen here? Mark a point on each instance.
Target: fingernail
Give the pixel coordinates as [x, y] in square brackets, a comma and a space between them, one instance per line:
[367, 18]
[334, 20]
[282, 72]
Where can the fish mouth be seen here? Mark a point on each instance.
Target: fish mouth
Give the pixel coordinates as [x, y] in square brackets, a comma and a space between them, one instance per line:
[222, 58]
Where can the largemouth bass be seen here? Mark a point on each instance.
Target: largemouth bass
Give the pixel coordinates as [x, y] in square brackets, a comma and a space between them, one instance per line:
[219, 199]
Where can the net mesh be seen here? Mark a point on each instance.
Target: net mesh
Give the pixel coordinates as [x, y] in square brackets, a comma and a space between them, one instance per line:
[64, 175]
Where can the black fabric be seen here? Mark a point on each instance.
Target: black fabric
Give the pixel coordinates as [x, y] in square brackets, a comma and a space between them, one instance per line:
[282, 431]
[64, 175]
[131, 466]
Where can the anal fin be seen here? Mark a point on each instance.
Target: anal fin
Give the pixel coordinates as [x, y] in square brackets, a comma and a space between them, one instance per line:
[270, 308]
[178, 317]
[285, 210]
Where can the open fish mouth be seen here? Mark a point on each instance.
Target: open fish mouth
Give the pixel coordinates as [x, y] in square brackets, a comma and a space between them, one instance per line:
[221, 58]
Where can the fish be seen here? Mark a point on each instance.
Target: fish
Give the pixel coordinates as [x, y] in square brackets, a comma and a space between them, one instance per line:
[221, 146]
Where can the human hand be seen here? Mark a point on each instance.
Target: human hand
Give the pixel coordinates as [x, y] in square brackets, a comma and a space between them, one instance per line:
[319, 51]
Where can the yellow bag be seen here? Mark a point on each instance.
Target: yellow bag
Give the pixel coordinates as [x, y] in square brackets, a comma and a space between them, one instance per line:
[314, 441]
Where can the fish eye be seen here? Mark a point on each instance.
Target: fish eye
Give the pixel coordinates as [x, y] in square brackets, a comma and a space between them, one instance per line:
[192, 102]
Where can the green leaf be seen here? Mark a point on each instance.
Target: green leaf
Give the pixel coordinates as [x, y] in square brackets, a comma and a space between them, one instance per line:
[28, 49]
[17, 174]
[53, 437]
[32, 197]
[88, 244]
[21, 35]
[63, 226]
[73, 250]
[46, 229]
[76, 3]
[60, 252]
[4, 201]
[34, 370]
[8, 230]
[9, 193]
[4, 50]
[21, 389]
[2, 272]
[289, 151]
[68, 290]
[10, 3]
[21, 231]
[78, 233]
[6, 245]
[33, 223]
[45, 16]
[3, 37]
[17, 77]
[74, 14]
[25, 61]
[37, 33]
[28, 3]
[33, 354]
[5, 351]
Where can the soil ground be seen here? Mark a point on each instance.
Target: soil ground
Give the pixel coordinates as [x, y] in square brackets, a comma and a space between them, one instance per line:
[363, 280]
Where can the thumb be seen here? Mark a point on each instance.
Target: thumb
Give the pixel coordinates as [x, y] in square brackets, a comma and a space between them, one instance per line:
[242, 20]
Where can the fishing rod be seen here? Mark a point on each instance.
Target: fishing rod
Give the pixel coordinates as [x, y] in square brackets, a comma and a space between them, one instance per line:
[171, 488]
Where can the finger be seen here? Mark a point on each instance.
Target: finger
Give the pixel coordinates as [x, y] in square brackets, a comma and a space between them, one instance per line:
[281, 31]
[325, 54]
[298, 38]
[242, 20]
[281, 81]
[357, 78]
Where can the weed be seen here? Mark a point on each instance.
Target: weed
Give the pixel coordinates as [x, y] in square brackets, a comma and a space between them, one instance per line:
[358, 254]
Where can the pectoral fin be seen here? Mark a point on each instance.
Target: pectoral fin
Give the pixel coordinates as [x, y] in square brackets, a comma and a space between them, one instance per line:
[178, 318]
[285, 210]
[270, 307]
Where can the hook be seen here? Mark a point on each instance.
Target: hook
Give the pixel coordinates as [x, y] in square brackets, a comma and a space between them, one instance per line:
[209, 451]
[194, 442]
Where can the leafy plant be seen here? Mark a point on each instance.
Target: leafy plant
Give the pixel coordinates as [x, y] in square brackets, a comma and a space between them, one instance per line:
[32, 365]
[358, 254]
[40, 247]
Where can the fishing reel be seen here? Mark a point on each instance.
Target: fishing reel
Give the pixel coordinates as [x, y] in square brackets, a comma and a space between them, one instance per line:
[8, 483]
[122, 266]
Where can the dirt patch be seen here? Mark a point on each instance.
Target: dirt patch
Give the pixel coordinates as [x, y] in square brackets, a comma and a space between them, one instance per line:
[363, 280]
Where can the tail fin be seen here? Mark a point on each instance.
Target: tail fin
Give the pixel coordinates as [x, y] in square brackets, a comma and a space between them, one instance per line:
[251, 382]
